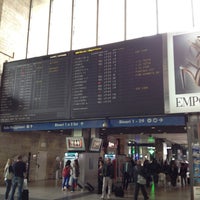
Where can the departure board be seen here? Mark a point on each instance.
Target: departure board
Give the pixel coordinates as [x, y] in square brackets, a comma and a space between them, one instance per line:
[120, 79]
[35, 89]
[116, 80]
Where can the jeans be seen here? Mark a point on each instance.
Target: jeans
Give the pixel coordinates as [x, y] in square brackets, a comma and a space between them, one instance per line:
[183, 180]
[17, 182]
[126, 178]
[74, 183]
[66, 182]
[8, 187]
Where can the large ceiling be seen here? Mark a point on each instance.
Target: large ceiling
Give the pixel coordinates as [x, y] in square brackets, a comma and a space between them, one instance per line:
[177, 138]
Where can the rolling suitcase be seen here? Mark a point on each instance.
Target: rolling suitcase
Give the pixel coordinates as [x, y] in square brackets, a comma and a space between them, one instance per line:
[118, 190]
[25, 194]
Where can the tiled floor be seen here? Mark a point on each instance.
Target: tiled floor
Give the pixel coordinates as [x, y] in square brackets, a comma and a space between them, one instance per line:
[51, 190]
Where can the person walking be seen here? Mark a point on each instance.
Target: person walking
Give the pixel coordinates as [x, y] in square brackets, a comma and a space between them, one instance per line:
[126, 172]
[155, 169]
[75, 174]
[146, 166]
[19, 169]
[173, 172]
[66, 173]
[8, 175]
[100, 176]
[57, 168]
[139, 171]
[183, 174]
[108, 175]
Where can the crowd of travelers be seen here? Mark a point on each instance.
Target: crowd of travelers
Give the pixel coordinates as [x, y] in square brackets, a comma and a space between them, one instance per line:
[142, 174]
[157, 172]
[160, 173]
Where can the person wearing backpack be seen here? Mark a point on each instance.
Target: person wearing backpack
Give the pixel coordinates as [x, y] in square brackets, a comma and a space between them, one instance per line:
[66, 173]
[8, 174]
[75, 174]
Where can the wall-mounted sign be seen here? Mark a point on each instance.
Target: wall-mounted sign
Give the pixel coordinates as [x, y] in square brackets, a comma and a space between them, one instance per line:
[75, 143]
[128, 122]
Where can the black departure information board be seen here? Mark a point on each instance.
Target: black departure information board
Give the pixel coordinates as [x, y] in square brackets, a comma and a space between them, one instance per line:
[36, 89]
[121, 79]
[116, 80]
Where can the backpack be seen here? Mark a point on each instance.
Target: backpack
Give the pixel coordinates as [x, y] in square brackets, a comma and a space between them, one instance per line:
[66, 171]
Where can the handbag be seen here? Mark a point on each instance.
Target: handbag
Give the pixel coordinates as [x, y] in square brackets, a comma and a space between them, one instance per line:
[141, 180]
[8, 175]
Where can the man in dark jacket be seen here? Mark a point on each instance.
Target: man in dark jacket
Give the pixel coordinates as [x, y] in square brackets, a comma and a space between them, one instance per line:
[108, 175]
[19, 168]
[126, 170]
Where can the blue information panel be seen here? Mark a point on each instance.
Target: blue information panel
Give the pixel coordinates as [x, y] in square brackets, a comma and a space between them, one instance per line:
[53, 126]
[130, 122]
[148, 121]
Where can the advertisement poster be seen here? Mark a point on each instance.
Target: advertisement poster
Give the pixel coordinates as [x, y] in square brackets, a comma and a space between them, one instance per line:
[196, 191]
[196, 163]
[184, 72]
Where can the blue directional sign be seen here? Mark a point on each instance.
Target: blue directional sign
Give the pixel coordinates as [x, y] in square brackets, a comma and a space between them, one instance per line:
[53, 126]
[149, 121]
[111, 123]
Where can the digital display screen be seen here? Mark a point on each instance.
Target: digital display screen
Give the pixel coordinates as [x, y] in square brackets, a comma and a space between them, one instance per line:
[121, 79]
[35, 89]
[116, 80]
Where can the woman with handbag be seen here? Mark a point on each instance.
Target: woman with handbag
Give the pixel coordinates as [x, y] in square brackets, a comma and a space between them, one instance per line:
[8, 174]
[140, 180]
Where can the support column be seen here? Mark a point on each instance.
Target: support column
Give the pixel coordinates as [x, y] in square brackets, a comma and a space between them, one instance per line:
[159, 149]
[193, 130]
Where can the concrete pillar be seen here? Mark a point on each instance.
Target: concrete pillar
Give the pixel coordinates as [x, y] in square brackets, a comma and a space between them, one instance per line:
[158, 149]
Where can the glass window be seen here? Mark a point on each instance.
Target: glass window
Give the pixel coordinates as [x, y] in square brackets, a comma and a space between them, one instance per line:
[111, 21]
[174, 15]
[60, 26]
[38, 34]
[84, 24]
[196, 9]
[13, 30]
[81, 27]
[141, 18]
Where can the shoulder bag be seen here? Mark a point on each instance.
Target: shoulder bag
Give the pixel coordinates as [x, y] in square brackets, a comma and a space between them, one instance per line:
[141, 180]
